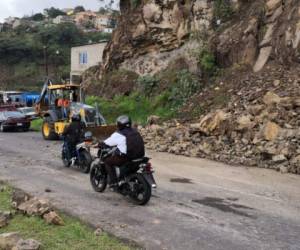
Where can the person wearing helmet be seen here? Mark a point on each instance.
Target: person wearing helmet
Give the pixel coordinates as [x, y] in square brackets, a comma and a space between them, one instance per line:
[129, 145]
[73, 133]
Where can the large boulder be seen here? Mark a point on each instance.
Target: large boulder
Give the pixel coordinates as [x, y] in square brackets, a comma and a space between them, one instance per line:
[213, 123]
[245, 122]
[18, 197]
[53, 218]
[271, 131]
[29, 244]
[5, 216]
[153, 119]
[9, 240]
[271, 98]
[272, 5]
[263, 58]
[34, 206]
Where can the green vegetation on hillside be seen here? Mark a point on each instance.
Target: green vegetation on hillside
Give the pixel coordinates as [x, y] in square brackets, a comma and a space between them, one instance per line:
[137, 106]
[22, 52]
[162, 94]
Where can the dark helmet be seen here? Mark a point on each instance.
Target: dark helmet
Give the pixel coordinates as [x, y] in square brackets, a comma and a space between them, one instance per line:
[123, 121]
[88, 136]
[76, 118]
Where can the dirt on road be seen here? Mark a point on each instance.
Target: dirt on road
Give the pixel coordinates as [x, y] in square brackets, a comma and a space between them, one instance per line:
[199, 204]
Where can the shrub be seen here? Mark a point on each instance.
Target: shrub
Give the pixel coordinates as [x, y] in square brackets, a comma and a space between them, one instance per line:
[185, 86]
[207, 61]
[137, 106]
[222, 10]
[147, 84]
[135, 3]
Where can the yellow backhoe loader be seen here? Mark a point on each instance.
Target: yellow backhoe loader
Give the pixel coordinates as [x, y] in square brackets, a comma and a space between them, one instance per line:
[57, 104]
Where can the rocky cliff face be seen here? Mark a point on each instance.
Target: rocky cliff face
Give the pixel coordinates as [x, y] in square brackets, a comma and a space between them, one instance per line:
[245, 32]
[149, 36]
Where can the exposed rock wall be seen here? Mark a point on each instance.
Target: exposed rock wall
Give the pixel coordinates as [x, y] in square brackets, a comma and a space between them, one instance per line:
[149, 32]
[151, 35]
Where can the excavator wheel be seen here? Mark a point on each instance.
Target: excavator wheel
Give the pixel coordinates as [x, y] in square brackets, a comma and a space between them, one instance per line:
[48, 130]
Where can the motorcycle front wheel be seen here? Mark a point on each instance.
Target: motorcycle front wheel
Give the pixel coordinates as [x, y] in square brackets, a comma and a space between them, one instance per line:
[141, 190]
[98, 178]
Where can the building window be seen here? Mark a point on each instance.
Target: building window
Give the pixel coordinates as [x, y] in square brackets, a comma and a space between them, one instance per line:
[83, 58]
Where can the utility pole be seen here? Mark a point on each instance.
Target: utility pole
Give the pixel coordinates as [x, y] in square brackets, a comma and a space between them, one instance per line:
[46, 60]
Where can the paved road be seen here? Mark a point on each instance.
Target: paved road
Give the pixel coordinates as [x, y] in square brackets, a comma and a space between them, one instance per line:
[199, 204]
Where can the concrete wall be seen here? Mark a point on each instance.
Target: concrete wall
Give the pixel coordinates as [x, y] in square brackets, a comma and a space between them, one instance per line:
[94, 57]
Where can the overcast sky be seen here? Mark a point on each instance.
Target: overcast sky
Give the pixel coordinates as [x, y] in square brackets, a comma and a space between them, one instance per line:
[19, 8]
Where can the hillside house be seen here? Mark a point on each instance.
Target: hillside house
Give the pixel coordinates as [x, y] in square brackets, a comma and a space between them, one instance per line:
[84, 57]
[10, 20]
[63, 19]
[22, 22]
[102, 22]
[68, 11]
[85, 17]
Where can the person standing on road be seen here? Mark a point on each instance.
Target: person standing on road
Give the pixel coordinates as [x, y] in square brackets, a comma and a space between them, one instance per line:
[129, 145]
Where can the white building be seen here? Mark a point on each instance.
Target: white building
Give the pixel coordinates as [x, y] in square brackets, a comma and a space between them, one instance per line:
[84, 57]
[10, 20]
[108, 30]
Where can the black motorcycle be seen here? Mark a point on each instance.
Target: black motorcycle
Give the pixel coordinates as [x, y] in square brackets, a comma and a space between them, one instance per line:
[80, 155]
[135, 178]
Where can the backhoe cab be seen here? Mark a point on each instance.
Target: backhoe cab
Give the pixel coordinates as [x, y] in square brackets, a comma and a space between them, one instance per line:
[57, 104]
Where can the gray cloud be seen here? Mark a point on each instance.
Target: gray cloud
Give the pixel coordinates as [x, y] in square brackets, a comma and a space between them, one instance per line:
[20, 8]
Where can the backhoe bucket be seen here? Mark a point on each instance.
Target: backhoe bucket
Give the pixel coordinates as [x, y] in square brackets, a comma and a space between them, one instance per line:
[102, 132]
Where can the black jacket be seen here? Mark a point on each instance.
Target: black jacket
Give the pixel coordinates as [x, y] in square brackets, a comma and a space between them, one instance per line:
[74, 131]
[134, 142]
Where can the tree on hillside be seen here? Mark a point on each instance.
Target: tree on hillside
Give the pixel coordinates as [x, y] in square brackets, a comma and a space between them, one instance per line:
[64, 34]
[79, 9]
[102, 10]
[53, 12]
[38, 17]
[108, 5]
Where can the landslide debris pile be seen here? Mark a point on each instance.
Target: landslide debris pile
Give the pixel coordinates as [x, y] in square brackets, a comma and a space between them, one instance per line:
[258, 127]
[256, 121]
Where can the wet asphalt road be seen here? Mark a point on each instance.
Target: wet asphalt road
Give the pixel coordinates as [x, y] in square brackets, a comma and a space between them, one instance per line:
[199, 204]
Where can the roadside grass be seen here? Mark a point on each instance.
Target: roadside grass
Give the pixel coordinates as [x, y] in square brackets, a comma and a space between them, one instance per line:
[74, 235]
[137, 106]
[36, 125]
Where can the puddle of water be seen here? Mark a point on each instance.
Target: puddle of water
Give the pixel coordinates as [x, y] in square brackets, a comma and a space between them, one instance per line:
[232, 199]
[224, 206]
[181, 180]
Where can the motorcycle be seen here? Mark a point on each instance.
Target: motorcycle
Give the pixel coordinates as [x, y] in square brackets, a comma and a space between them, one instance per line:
[80, 156]
[135, 178]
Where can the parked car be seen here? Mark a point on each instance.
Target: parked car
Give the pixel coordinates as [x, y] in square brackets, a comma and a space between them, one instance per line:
[13, 120]
[29, 112]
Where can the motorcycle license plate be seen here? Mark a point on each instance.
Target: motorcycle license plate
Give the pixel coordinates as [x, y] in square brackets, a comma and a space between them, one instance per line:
[19, 124]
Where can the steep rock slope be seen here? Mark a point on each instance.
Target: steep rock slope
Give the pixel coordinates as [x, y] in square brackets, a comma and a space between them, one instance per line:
[152, 34]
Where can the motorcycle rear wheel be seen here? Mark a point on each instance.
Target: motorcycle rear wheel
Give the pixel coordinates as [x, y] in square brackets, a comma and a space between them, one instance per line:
[65, 160]
[98, 179]
[142, 190]
[85, 162]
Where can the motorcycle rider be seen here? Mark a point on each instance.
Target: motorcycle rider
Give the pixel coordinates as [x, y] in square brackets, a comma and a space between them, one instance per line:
[129, 145]
[73, 133]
